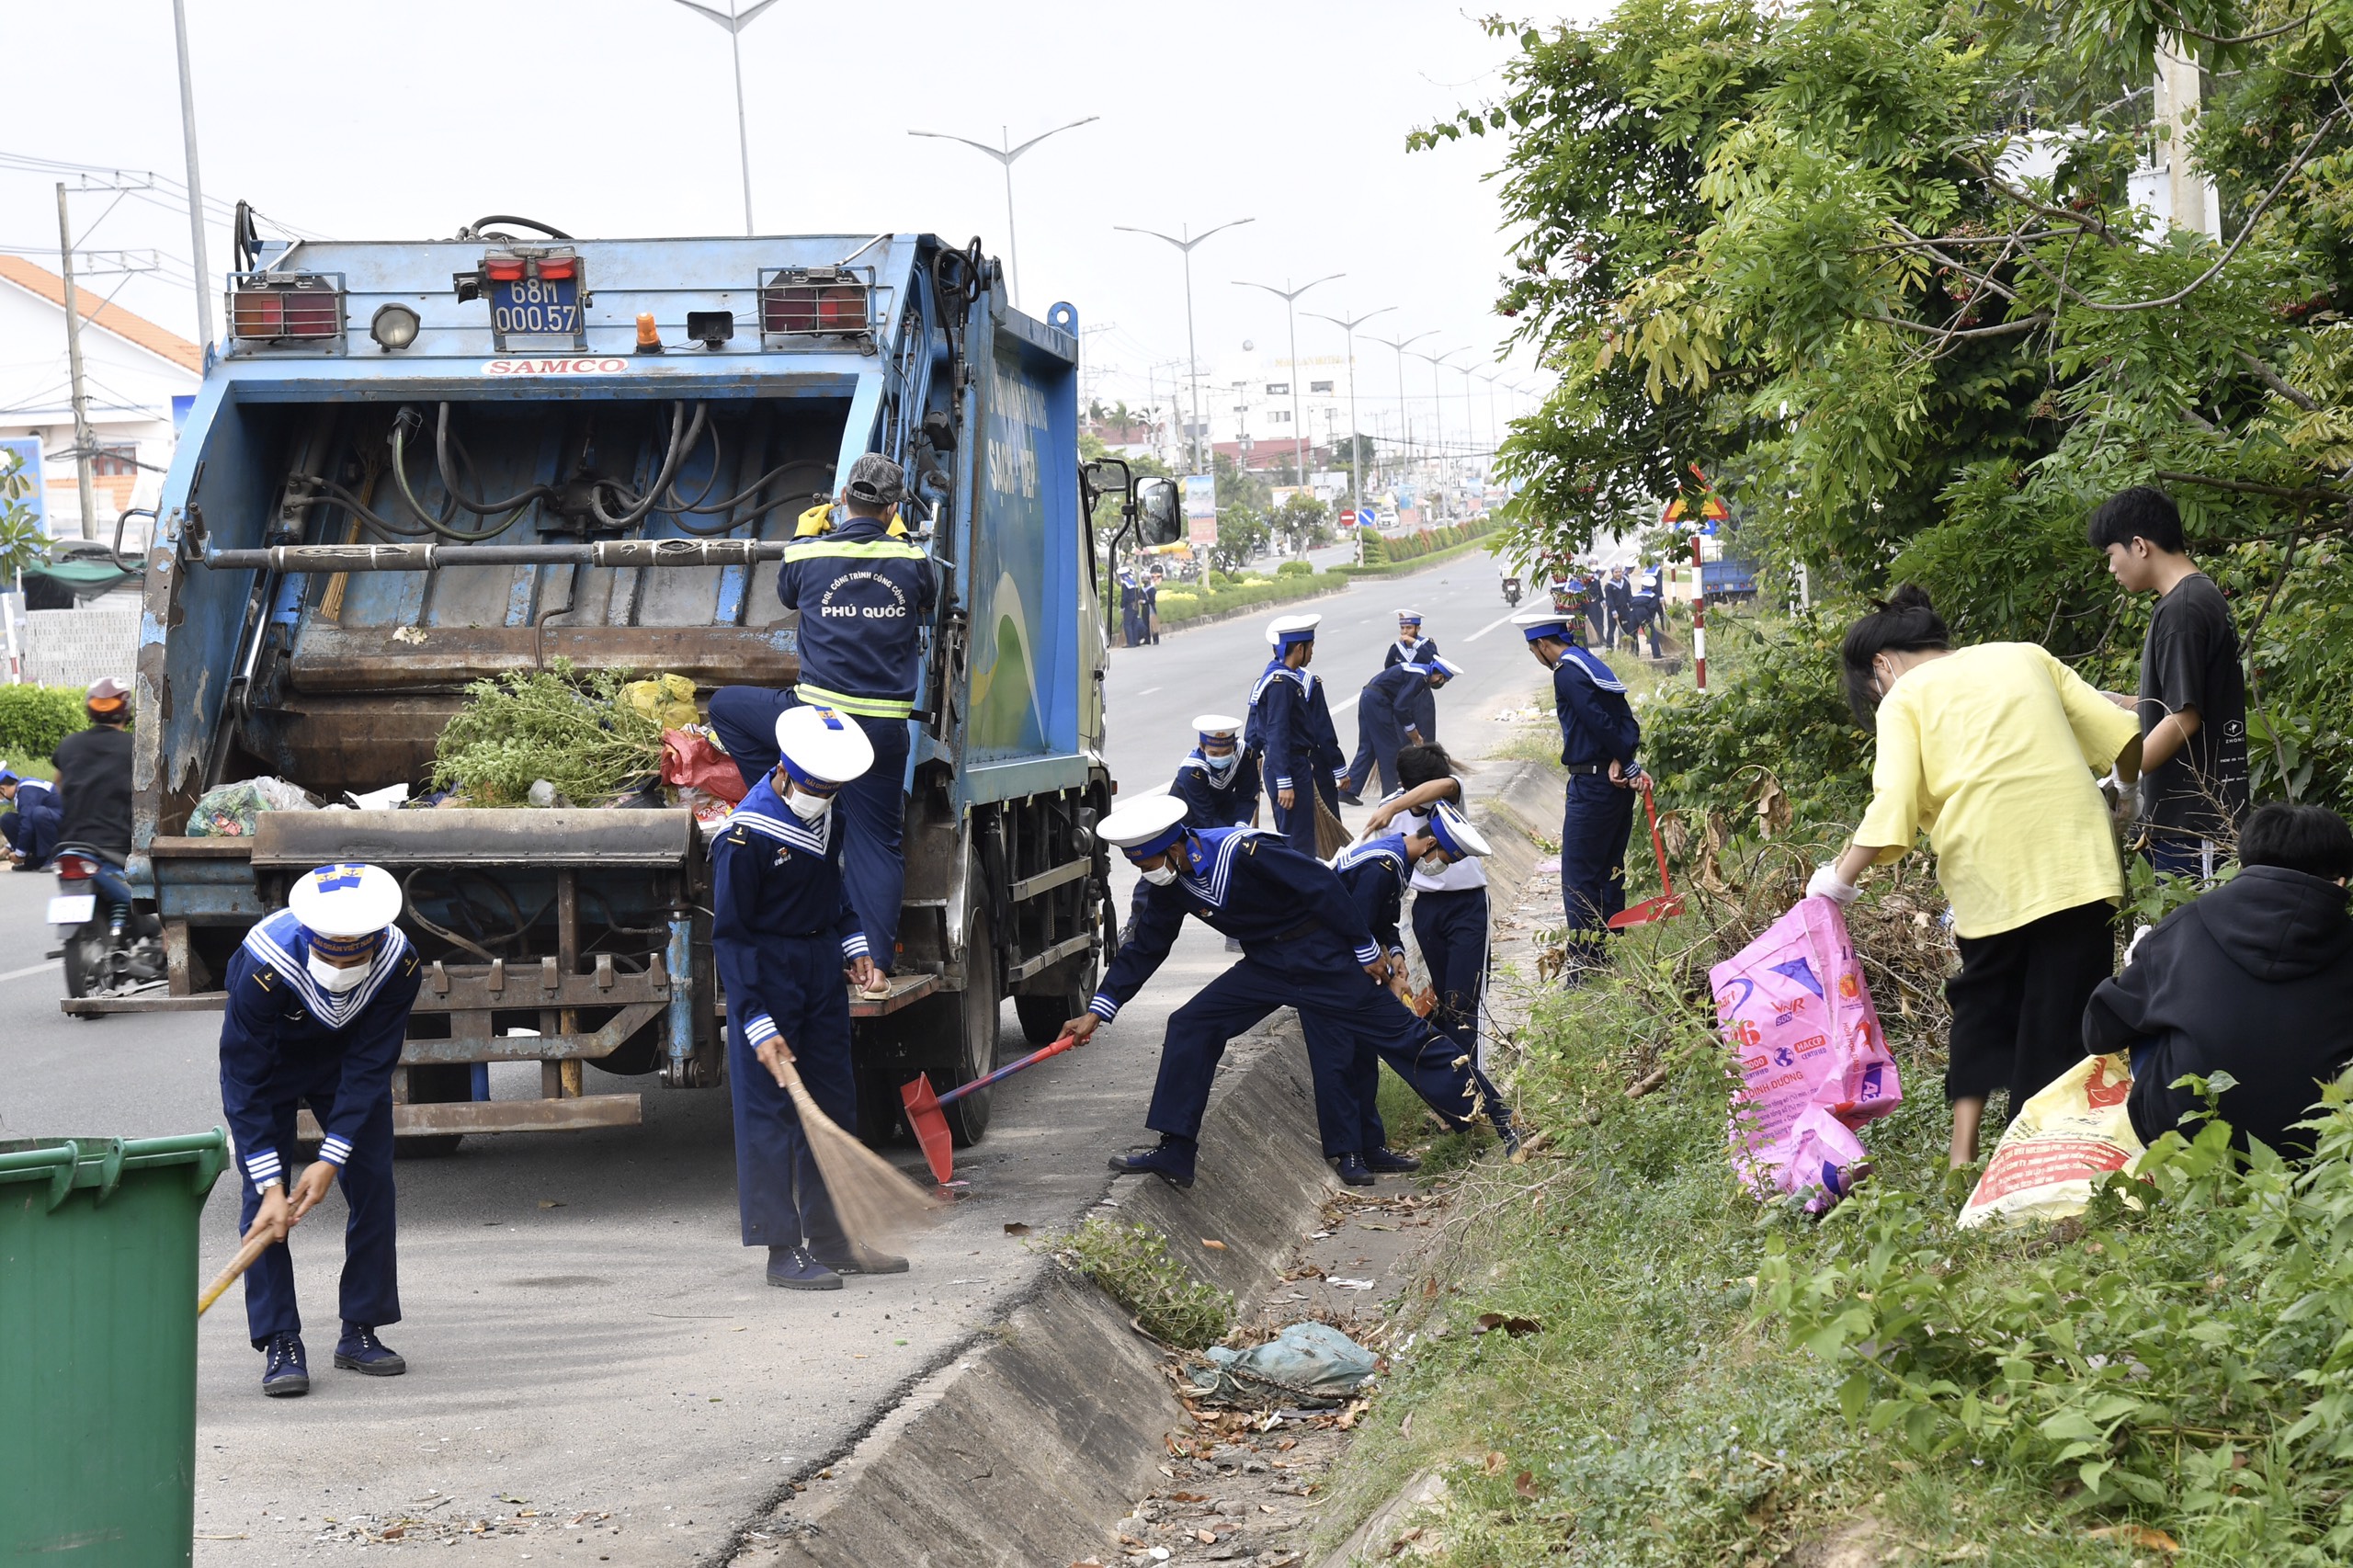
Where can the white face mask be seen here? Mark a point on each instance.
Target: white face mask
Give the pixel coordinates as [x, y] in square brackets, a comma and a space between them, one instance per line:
[334, 979]
[1433, 863]
[1220, 764]
[1159, 876]
[808, 807]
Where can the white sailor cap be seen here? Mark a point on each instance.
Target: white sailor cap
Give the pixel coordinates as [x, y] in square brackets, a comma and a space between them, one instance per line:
[1454, 833]
[1537, 623]
[1216, 726]
[1445, 666]
[1409, 617]
[1285, 629]
[345, 900]
[1145, 827]
[821, 745]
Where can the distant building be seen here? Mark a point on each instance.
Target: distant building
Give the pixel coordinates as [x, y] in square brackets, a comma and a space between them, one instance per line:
[141, 380]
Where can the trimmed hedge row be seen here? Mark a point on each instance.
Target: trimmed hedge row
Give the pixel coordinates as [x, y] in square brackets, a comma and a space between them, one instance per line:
[1380, 550]
[33, 718]
[1192, 601]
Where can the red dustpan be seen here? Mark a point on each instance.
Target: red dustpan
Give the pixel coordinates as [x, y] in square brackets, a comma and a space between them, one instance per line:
[1668, 904]
[926, 1109]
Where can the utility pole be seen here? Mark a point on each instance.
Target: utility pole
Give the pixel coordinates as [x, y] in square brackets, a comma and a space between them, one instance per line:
[1356, 441]
[1289, 297]
[194, 187]
[1193, 356]
[1005, 155]
[1438, 411]
[82, 442]
[1404, 409]
[735, 22]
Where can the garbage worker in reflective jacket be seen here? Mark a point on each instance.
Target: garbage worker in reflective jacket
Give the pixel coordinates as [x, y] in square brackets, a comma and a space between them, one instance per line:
[1438, 1069]
[784, 933]
[1304, 945]
[1290, 728]
[865, 593]
[319, 997]
[1598, 736]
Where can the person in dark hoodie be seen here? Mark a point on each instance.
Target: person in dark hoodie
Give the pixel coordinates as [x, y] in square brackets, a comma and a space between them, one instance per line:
[2254, 979]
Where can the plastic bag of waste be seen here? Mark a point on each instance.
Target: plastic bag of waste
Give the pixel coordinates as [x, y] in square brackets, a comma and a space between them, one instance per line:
[2060, 1144]
[668, 701]
[1795, 1009]
[231, 810]
[1309, 1363]
[692, 759]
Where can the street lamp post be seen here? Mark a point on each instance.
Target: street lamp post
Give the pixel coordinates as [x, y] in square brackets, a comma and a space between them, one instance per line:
[195, 185]
[1438, 409]
[734, 21]
[1005, 155]
[1405, 410]
[1289, 297]
[1356, 457]
[1192, 357]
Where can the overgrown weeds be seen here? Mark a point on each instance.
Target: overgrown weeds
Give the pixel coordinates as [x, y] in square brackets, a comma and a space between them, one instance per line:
[1132, 1265]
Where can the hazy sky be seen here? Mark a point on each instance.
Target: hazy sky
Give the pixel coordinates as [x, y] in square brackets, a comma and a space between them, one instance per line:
[362, 120]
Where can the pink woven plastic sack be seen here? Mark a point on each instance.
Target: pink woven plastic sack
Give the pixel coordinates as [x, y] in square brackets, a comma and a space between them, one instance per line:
[1794, 1007]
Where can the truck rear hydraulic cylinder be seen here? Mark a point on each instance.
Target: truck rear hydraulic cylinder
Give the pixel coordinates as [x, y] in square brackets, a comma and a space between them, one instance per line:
[618, 552]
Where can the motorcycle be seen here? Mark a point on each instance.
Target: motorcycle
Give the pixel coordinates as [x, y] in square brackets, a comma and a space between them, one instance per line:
[101, 960]
[1511, 591]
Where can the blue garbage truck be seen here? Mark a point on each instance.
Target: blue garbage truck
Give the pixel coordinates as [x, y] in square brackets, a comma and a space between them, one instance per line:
[416, 465]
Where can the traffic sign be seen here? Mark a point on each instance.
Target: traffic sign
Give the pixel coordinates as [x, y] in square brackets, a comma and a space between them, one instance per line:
[1364, 518]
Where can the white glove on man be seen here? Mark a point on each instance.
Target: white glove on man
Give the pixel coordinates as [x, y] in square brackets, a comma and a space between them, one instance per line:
[1826, 884]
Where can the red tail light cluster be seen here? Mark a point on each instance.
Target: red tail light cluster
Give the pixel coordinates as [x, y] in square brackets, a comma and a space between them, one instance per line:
[301, 307]
[73, 869]
[509, 267]
[816, 301]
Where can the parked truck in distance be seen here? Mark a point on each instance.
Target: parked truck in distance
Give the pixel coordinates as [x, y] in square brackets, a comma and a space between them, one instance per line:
[418, 464]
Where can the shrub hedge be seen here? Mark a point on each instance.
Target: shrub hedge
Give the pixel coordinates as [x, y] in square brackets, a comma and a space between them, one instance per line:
[33, 718]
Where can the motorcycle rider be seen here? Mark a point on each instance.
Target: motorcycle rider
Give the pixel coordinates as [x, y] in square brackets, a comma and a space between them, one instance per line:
[93, 794]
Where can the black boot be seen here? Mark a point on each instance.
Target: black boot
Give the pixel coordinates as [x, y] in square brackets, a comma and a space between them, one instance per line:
[1172, 1162]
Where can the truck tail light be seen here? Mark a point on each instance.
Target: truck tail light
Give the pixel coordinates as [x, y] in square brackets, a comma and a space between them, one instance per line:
[816, 301]
[500, 266]
[300, 307]
[556, 267]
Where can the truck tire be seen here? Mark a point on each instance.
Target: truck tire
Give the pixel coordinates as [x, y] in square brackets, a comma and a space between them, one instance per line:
[1043, 1018]
[438, 1084]
[975, 1016]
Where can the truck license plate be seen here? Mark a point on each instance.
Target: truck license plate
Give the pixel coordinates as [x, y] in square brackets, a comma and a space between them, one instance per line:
[536, 312]
[71, 908]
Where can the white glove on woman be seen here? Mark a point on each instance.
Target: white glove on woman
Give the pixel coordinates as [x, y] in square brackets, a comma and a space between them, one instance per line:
[1826, 884]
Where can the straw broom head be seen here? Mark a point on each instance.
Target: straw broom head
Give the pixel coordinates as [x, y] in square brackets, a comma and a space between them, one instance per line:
[872, 1200]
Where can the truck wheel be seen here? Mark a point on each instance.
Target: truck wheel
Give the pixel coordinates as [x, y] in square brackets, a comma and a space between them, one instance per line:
[977, 1009]
[438, 1084]
[1043, 1018]
[878, 1106]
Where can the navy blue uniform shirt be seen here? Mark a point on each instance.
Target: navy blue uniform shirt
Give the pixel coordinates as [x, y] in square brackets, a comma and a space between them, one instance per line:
[1245, 883]
[1374, 872]
[1423, 653]
[277, 1014]
[863, 597]
[775, 877]
[1291, 726]
[1212, 802]
[1597, 724]
[1392, 695]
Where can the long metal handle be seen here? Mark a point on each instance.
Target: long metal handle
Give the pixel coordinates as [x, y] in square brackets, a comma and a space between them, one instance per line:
[1068, 1043]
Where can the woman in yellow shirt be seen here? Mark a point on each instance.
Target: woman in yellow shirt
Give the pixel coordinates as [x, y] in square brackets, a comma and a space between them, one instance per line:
[1992, 751]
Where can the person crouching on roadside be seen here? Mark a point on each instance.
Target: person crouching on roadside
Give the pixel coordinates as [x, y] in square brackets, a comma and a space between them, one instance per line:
[1994, 752]
[2254, 979]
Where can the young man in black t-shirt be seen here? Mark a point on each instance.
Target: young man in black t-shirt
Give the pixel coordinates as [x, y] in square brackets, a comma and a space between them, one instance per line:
[2192, 702]
[94, 792]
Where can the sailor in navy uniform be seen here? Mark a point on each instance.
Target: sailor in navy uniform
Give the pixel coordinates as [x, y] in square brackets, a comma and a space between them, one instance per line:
[1598, 737]
[1645, 609]
[1413, 648]
[1290, 728]
[784, 932]
[1304, 945]
[1388, 721]
[1441, 1070]
[319, 996]
[1218, 780]
[30, 825]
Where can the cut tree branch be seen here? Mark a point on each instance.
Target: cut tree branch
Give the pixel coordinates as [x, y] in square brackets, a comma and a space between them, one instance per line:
[2278, 383]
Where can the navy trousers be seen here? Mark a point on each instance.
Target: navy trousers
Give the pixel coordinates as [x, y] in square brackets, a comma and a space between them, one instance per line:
[1597, 820]
[779, 1194]
[1297, 822]
[1444, 1074]
[1451, 929]
[874, 807]
[371, 1291]
[31, 834]
[1378, 742]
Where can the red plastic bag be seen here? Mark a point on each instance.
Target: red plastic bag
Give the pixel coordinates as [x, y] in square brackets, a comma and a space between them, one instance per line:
[691, 758]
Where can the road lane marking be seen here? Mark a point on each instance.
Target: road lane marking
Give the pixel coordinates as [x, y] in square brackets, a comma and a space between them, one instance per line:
[1339, 708]
[1485, 629]
[1147, 691]
[37, 969]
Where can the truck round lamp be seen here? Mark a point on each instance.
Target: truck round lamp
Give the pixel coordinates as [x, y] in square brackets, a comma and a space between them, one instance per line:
[393, 326]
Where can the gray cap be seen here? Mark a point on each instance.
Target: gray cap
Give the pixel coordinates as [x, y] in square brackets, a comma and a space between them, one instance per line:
[876, 481]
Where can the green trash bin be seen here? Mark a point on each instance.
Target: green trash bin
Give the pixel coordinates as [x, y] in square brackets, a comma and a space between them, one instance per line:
[97, 1346]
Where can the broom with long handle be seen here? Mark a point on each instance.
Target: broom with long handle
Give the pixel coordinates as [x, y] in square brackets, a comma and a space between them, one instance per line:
[872, 1200]
[247, 1255]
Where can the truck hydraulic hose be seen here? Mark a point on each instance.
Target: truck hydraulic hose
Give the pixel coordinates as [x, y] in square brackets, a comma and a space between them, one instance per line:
[518, 501]
[438, 524]
[635, 507]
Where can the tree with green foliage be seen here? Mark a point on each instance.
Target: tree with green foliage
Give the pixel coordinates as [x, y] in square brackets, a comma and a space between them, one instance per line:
[1242, 533]
[22, 541]
[1303, 522]
[1874, 266]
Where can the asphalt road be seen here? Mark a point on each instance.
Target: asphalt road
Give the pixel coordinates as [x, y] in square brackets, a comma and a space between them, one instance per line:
[594, 1356]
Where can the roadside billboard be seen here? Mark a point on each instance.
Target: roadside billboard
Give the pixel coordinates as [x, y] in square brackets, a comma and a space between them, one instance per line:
[1200, 509]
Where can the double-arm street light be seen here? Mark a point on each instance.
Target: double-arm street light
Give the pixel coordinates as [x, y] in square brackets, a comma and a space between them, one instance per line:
[735, 21]
[1192, 357]
[1438, 409]
[1289, 297]
[1005, 154]
[1356, 441]
[1404, 408]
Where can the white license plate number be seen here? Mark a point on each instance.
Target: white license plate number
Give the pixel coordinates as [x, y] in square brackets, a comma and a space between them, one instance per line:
[71, 908]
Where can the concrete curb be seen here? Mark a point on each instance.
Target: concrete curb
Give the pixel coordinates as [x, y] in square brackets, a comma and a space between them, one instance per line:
[1022, 1445]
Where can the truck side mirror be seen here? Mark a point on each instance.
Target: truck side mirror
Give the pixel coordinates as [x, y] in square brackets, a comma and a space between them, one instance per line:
[1161, 520]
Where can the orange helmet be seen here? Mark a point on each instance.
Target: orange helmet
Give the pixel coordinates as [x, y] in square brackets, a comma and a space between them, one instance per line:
[107, 698]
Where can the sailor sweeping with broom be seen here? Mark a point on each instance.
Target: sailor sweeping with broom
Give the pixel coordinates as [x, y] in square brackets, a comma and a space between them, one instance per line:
[784, 932]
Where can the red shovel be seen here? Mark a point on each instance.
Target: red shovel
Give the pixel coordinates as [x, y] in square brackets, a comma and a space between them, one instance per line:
[1668, 904]
[926, 1109]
